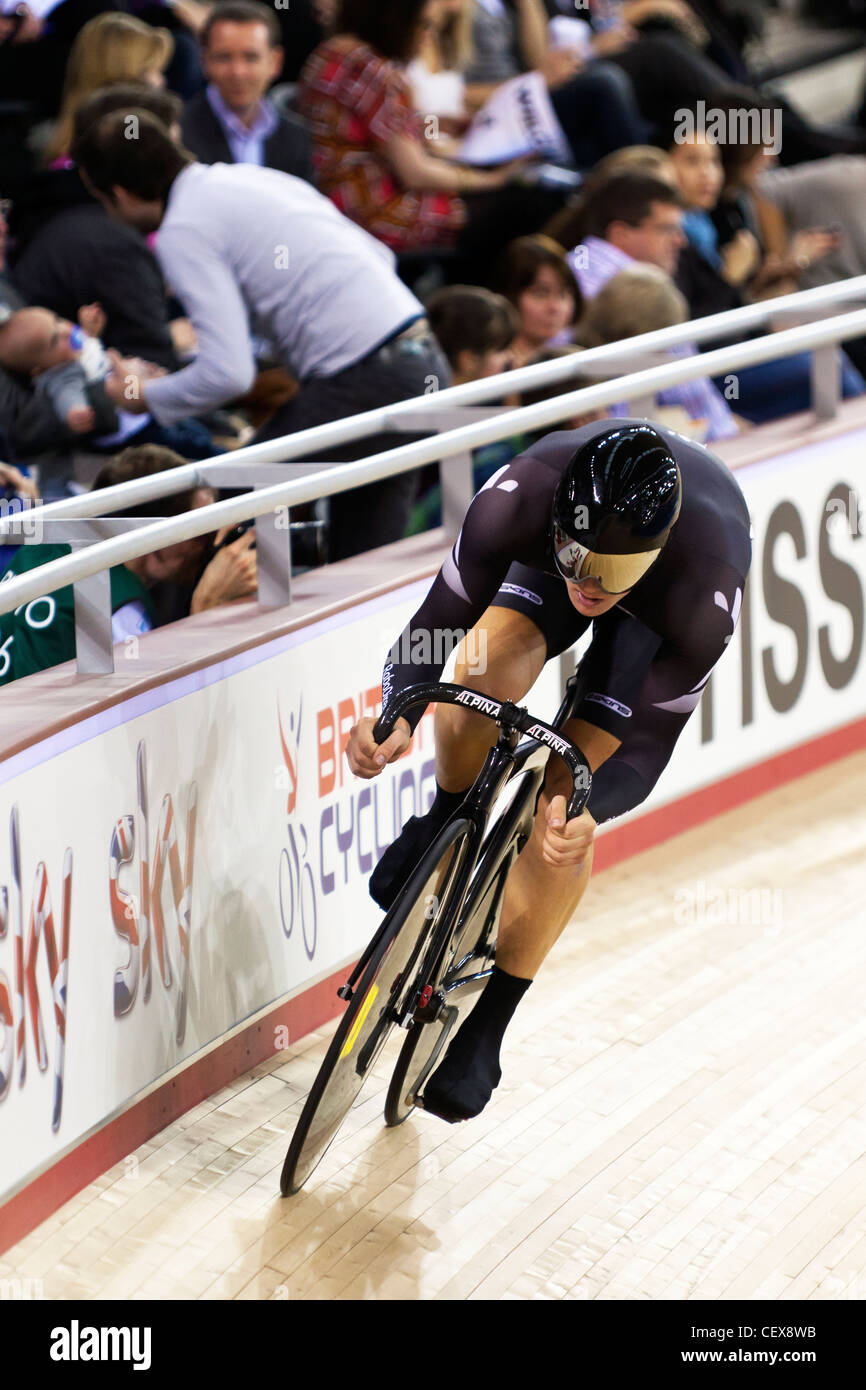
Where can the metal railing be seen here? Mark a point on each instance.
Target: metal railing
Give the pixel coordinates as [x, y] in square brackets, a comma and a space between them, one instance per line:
[458, 422]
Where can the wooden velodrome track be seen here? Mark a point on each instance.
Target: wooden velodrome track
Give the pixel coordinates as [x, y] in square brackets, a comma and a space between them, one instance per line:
[682, 1114]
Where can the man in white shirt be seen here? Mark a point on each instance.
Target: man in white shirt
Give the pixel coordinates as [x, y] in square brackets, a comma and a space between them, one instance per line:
[252, 252]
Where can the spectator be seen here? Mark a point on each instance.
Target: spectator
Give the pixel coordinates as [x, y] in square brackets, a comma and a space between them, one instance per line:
[538, 281]
[70, 253]
[69, 365]
[475, 329]
[28, 425]
[233, 121]
[595, 103]
[741, 206]
[640, 299]
[637, 217]
[837, 189]
[111, 48]
[371, 155]
[324, 294]
[567, 226]
[230, 575]
[437, 72]
[711, 276]
[715, 278]
[35, 343]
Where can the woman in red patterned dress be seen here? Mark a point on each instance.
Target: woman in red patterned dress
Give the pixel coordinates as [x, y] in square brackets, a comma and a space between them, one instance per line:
[376, 158]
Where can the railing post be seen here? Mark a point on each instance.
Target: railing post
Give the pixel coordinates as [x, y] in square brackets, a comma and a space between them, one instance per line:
[455, 481]
[94, 648]
[273, 558]
[826, 371]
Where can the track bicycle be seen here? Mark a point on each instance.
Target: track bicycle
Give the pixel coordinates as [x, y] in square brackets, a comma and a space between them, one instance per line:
[433, 952]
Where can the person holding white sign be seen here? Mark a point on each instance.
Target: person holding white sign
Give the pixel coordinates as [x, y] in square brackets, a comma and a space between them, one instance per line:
[591, 101]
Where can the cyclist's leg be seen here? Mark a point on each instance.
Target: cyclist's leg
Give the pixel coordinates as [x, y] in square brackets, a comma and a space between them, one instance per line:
[612, 675]
[539, 899]
[463, 1083]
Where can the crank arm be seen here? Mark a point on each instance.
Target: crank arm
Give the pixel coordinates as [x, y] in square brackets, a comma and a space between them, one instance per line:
[449, 1016]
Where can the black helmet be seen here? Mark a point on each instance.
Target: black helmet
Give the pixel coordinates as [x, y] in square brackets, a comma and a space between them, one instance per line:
[614, 507]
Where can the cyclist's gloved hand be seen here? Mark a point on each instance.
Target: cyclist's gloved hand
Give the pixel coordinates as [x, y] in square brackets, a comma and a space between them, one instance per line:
[566, 844]
[366, 757]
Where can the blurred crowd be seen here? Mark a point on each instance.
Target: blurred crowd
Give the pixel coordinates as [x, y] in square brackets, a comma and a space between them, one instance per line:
[224, 223]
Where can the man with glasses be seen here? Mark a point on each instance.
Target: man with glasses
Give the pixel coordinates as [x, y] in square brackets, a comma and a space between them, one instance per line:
[635, 216]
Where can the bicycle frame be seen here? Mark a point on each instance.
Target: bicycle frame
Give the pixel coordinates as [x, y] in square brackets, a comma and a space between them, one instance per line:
[502, 759]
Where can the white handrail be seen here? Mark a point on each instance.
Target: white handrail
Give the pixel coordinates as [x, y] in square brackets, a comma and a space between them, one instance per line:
[119, 549]
[319, 438]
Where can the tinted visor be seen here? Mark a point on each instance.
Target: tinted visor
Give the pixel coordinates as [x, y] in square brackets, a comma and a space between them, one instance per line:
[615, 574]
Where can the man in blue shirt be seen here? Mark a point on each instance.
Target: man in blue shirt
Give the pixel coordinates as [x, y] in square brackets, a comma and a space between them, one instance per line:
[232, 121]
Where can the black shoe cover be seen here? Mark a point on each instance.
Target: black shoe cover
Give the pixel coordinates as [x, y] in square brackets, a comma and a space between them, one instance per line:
[465, 1079]
[401, 858]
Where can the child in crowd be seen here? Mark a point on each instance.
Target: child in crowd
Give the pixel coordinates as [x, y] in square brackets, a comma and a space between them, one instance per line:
[64, 361]
[68, 364]
[476, 331]
[639, 299]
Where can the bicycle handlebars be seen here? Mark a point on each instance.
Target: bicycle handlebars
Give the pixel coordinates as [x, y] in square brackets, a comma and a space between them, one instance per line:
[505, 714]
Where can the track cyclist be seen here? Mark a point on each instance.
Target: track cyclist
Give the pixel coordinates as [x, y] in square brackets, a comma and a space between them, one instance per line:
[620, 524]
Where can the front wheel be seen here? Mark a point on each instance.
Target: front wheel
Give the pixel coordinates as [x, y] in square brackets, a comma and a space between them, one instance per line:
[380, 995]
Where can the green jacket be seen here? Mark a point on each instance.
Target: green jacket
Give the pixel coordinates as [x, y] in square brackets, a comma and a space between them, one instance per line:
[41, 633]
